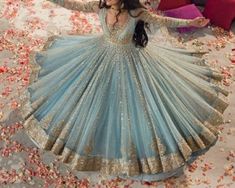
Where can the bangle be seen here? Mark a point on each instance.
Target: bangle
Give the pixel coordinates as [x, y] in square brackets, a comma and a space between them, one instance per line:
[189, 22]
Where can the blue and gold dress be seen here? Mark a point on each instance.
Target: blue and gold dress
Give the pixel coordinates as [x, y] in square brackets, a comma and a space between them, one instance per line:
[102, 104]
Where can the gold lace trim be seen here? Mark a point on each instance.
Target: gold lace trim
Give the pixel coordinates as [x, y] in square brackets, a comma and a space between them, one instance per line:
[113, 39]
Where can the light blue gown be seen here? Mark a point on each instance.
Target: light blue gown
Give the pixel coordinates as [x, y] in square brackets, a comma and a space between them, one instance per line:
[102, 104]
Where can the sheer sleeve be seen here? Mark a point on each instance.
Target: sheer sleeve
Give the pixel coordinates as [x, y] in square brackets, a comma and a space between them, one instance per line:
[153, 4]
[90, 6]
[150, 17]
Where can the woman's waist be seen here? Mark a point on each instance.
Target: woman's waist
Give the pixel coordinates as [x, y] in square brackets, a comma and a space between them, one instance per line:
[125, 41]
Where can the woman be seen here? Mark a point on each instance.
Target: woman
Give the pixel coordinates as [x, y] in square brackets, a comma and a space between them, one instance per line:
[120, 104]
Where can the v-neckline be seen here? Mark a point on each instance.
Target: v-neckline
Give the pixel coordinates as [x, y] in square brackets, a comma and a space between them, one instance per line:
[110, 28]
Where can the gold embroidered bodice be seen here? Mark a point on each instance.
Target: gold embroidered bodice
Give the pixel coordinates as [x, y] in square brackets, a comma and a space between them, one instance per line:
[121, 34]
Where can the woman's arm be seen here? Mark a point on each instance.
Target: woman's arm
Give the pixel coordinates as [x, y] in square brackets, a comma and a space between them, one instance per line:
[90, 6]
[150, 17]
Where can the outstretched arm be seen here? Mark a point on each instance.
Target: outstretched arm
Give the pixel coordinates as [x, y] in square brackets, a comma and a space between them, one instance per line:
[90, 6]
[150, 17]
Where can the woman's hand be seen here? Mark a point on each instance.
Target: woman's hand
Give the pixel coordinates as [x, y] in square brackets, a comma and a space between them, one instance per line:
[199, 22]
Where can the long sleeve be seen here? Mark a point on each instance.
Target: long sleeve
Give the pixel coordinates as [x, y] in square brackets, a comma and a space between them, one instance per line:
[90, 6]
[150, 17]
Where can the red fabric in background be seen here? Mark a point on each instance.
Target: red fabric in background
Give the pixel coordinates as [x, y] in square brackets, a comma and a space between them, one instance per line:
[170, 4]
[220, 12]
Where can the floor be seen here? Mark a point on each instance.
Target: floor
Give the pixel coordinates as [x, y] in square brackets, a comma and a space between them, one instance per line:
[25, 26]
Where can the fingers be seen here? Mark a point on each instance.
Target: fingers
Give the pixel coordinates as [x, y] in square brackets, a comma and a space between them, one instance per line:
[203, 21]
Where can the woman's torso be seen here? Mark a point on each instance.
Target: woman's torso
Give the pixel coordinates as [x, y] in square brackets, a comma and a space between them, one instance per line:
[118, 34]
